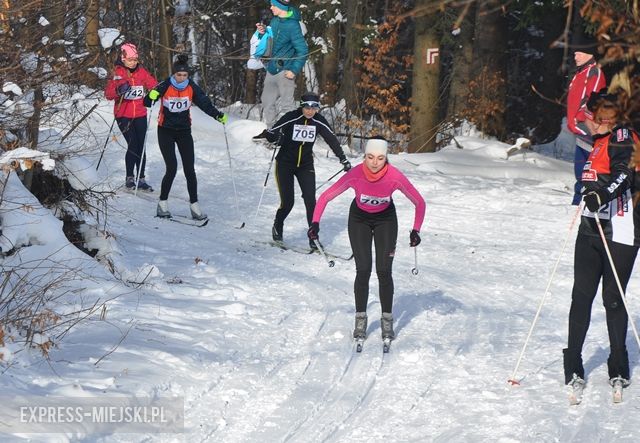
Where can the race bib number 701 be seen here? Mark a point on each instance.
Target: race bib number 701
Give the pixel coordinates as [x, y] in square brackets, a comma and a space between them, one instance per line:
[304, 133]
[177, 104]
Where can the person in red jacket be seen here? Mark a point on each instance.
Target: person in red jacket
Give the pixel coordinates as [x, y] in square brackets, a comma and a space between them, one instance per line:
[587, 80]
[128, 86]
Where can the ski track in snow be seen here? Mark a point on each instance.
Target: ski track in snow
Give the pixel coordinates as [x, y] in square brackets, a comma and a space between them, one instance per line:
[258, 340]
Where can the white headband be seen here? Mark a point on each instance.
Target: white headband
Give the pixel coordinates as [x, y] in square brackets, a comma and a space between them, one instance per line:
[376, 146]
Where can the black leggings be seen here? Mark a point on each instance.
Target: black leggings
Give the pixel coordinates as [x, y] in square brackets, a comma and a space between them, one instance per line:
[134, 131]
[306, 176]
[590, 265]
[167, 139]
[382, 229]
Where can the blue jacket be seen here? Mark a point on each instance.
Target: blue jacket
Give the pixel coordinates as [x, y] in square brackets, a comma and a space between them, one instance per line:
[290, 49]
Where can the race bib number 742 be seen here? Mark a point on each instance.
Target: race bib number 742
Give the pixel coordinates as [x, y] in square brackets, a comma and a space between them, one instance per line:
[304, 133]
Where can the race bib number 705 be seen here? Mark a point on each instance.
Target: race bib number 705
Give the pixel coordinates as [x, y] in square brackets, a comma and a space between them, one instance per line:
[304, 133]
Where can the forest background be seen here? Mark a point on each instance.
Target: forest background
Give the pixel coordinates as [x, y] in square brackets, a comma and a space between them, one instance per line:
[411, 70]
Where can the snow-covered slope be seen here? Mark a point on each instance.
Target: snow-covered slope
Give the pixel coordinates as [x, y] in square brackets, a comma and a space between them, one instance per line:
[258, 340]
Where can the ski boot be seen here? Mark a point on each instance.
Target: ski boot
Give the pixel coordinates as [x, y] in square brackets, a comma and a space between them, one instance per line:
[144, 186]
[130, 182]
[162, 210]
[276, 231]
[386, 325]
[618, 384]
[577, 387]
[196, 212]
[360, 330]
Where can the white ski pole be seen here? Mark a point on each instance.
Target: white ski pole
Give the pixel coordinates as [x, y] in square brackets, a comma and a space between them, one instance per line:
[264, 187]
[233, 180]
[414, 270]
[331, 263]
[513, 380]
[615, 274]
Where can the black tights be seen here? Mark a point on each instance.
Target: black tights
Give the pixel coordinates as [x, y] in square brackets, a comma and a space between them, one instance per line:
[590, 265]
[167, 140]
[382, 230]
[306, 176]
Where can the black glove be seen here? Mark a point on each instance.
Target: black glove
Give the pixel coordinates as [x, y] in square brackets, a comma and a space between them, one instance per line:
[346, 165]
[594, 200]
[414, 238]
[123, 88]
[313, 231]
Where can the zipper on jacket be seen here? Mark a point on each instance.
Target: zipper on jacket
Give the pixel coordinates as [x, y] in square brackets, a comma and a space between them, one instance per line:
[300, 148]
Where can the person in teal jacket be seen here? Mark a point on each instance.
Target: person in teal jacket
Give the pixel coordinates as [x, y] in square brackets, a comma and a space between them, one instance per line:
[285, 61]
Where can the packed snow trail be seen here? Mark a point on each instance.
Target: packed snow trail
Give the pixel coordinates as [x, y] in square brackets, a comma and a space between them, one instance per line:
[258, 340]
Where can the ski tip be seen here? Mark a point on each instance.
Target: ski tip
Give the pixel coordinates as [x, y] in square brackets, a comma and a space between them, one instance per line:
[513, 382]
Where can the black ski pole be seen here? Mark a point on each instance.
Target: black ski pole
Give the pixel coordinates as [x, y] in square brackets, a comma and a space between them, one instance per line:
[105, 143]
[79, 121]
[329, 179]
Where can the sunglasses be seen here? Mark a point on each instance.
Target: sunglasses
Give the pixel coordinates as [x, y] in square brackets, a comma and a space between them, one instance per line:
[310, 104]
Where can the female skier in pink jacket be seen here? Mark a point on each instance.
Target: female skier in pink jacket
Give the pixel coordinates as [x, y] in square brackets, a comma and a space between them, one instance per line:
[372, 217]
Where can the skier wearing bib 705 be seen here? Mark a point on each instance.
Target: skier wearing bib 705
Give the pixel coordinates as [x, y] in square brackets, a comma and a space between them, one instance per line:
[177, 94]
[296, 133]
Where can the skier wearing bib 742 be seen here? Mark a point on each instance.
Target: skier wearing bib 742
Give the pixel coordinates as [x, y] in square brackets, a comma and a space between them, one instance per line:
[127, 88]
[296, 133]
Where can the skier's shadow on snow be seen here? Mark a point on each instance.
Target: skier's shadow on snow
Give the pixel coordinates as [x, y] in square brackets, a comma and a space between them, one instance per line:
[406, 307]
[599, 358]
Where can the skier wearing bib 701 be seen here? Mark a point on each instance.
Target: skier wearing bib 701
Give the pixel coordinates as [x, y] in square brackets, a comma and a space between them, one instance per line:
[372, 219]
[296, 133]
[177, 94]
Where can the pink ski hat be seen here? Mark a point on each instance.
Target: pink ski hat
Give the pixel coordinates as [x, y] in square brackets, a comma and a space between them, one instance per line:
[129, 50]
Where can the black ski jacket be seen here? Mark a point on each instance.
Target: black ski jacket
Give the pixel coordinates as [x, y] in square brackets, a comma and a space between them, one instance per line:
[297, 134]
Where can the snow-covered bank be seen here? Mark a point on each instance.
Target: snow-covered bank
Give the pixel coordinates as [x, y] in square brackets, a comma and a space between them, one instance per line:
[258, 340]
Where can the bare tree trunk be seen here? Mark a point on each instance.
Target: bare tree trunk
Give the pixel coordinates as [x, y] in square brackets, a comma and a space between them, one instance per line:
[166, 38]
[93, 24]
[356, 12]
[56, 11]
[5, 25]
[425, 83]
[329, 64]
[461, 67]
[489, 62]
